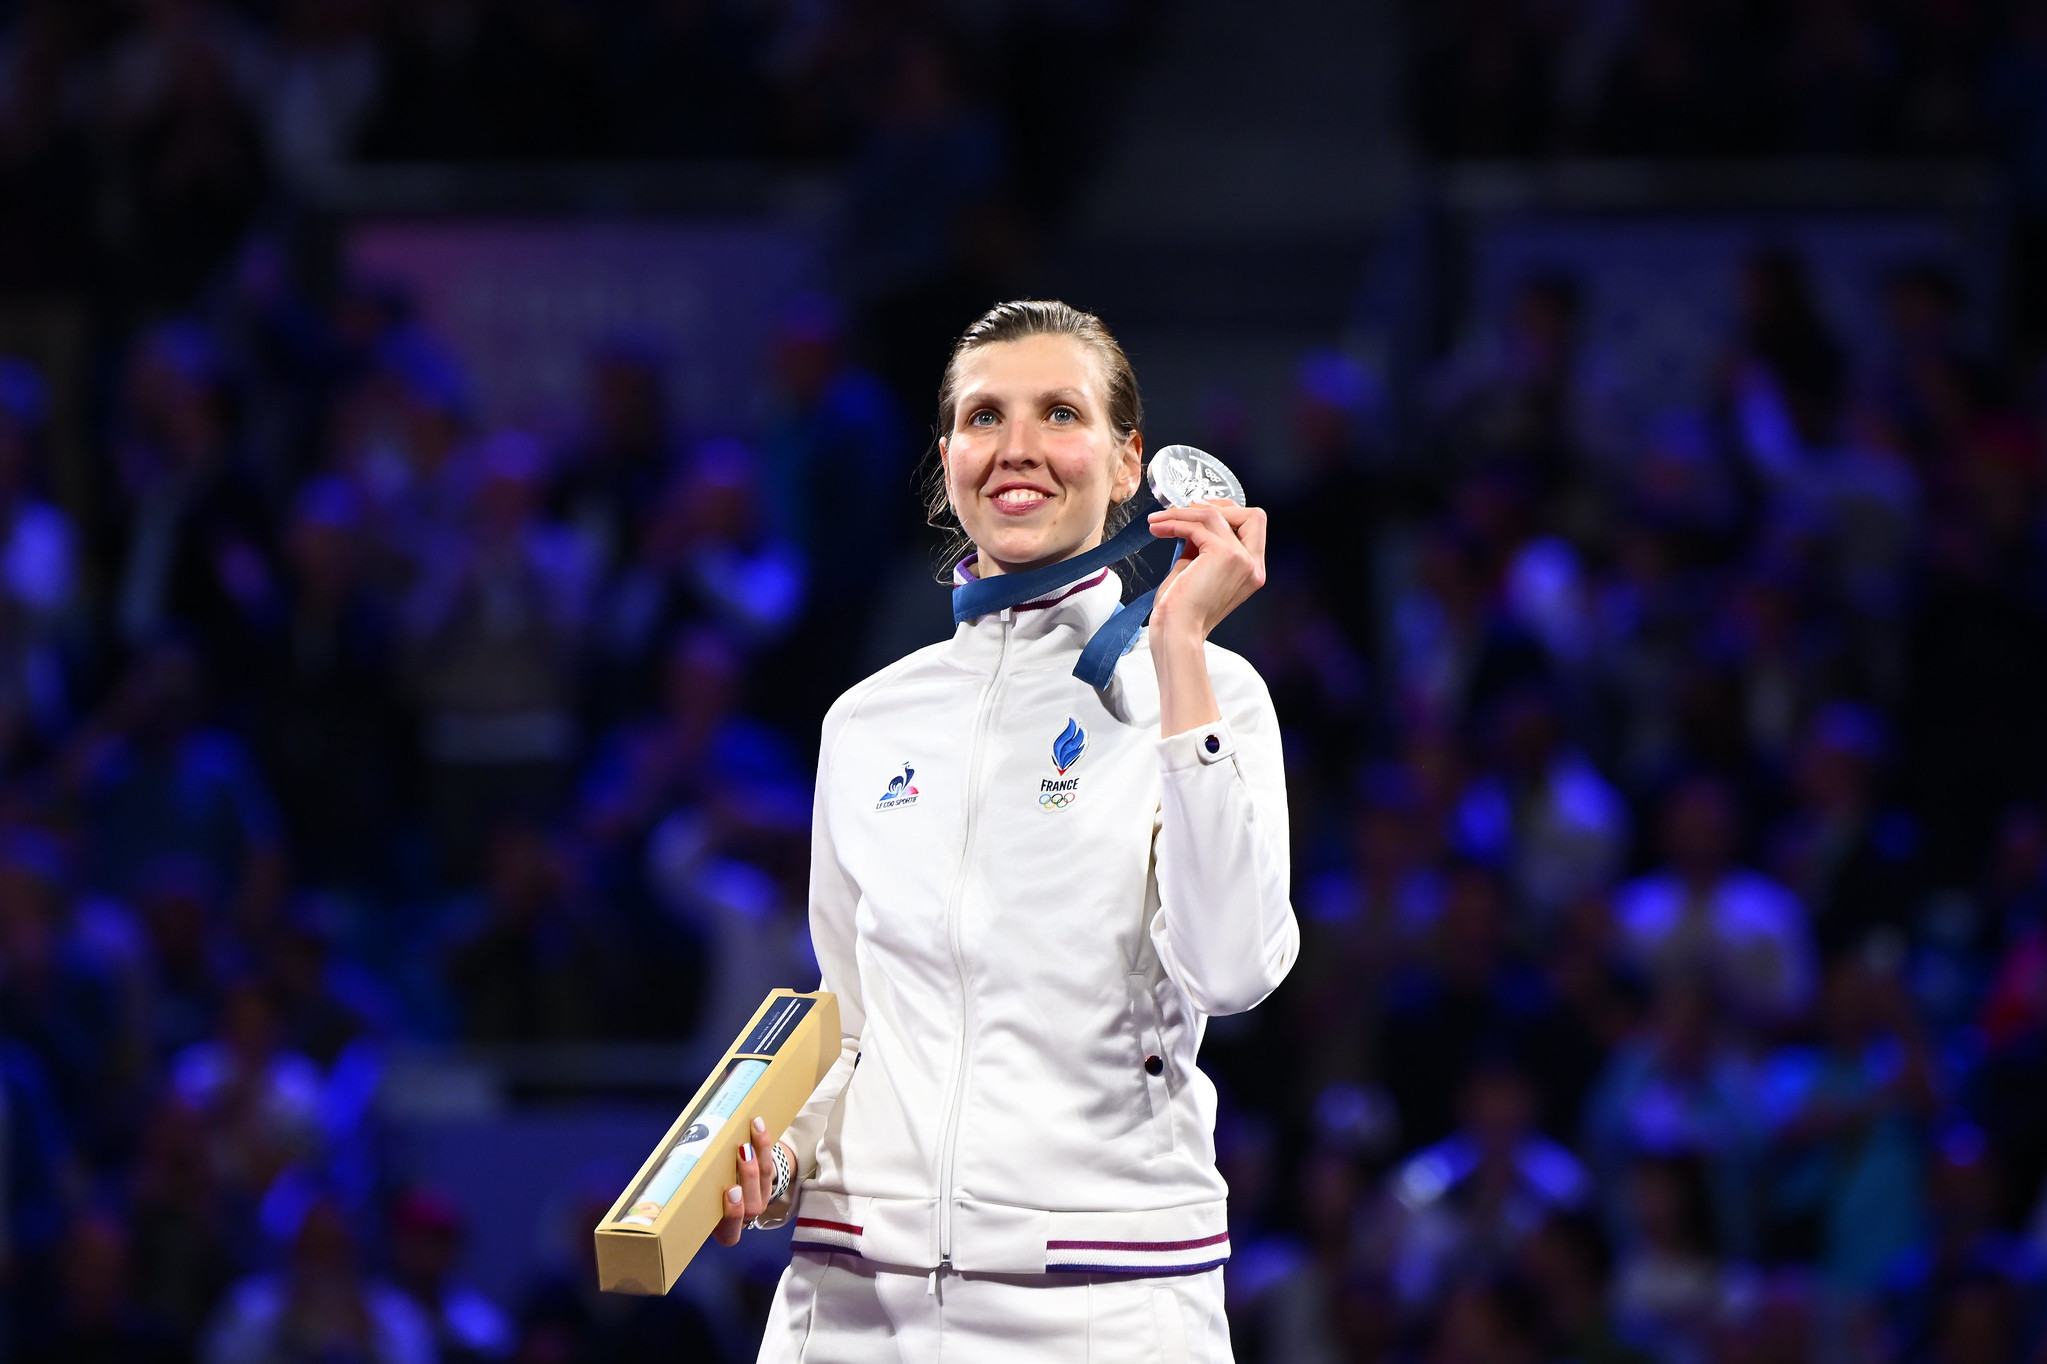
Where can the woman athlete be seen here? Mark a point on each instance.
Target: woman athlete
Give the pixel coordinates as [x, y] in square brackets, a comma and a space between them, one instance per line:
[1029, 894]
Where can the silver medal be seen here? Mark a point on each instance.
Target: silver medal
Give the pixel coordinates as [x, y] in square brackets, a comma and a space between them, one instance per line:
[1182, 476]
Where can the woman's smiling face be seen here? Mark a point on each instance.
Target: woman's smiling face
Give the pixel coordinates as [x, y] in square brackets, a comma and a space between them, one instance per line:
[1032, 462]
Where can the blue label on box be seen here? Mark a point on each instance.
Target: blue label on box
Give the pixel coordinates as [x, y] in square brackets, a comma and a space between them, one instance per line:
[776, 1024]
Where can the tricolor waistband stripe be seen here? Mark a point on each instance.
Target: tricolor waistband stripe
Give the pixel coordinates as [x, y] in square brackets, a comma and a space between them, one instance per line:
[1140, 1247]
[820, 1233]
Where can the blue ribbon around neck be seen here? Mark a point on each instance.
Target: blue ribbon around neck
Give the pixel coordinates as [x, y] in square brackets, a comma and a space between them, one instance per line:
[1097, 663]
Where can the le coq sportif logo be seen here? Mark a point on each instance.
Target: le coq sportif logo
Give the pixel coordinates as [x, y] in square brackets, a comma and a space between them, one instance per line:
[900, 792]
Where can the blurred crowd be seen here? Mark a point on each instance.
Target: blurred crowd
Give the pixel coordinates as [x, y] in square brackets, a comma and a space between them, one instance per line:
[1510, 78]
[139, 139]
[1671, 857]
[1671, 836]
[339, 717]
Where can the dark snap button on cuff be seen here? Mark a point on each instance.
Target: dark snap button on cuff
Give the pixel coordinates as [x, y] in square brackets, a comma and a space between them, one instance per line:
[1212, 743]
[1154, 1065]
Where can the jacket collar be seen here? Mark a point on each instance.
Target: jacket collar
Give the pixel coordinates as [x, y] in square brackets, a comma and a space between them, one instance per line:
[1046, 628]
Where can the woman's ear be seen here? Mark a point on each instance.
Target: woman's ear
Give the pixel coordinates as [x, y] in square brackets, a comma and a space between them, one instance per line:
[1129, 466]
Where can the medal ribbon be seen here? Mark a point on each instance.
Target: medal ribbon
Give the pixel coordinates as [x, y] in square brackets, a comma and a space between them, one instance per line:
[1097, 664]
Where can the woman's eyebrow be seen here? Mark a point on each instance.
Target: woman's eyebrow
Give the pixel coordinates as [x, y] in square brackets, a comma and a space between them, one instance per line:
[1062, 395]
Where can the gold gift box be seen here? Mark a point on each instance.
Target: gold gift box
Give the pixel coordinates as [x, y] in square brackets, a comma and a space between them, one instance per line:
[677, 1198]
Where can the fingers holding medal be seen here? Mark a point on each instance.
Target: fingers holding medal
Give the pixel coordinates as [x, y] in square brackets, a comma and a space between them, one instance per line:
[1222, 559]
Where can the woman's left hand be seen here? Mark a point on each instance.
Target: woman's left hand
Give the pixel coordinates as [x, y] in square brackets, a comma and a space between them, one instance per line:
[1222, 564]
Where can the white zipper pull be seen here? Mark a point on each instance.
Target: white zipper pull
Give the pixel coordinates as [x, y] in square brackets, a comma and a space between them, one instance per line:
[931, 1285]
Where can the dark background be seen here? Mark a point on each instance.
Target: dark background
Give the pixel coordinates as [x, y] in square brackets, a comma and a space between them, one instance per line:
[451, 452]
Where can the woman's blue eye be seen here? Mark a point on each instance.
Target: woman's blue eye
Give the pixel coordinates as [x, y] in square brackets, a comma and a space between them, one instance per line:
[982, 418]
[1064, 414]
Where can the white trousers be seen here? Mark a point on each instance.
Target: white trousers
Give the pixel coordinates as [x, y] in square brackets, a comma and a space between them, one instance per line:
[841, 1309]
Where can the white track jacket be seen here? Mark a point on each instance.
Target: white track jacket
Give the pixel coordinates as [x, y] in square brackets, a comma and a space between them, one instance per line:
[1029, 905]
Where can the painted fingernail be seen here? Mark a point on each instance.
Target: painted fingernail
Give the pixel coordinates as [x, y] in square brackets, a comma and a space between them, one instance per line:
[760, 1126]
[746, 1152]
[733, 1196]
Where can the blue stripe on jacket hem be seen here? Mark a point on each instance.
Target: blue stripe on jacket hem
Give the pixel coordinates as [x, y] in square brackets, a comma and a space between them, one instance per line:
[1138, 1271]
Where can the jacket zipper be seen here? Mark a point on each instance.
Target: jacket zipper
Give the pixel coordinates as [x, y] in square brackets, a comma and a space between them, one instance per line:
[947, 1154]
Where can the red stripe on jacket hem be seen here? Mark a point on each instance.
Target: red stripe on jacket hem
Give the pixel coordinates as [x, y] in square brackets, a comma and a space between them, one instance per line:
[823, 1225]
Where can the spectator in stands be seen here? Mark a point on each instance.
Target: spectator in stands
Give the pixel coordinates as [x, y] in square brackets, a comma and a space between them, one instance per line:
[184, 1235]
[1436, 633]
[322, 1306]
[698, 747]
[535, 965]
[1488, 1321]
[1533, 394]
[1931, 386]
[1544, 815]
[1704, 917]
[1567, 1264]
[327, 728]
[1340, 418]
[98, 1319]
[1966, 1246]
[1679, 1090]
[398, 426]
[617, 465]
[63, 1000]
[1459, 1210]
[834, 461]
[494, 628]
[188, 950]
[1786, 379]
[38, 573]
[1360, 927]
[190, 145]
[707, 556]
[746, 578]
[426, 1239]
[155, 782]
[39, 1175]
[1474, 993]
[1849, 859]
[324, 1007]
[1313, 669]
[1785, 660]
[196, 551]
[831, 419]
[1846, 1122]
[1669, 1285]
[260, 1102]
[315, 83]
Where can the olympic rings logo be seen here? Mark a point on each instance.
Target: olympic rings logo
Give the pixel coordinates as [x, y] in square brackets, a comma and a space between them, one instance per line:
[1056, 800]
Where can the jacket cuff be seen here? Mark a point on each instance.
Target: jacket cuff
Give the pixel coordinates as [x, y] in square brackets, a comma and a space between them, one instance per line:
[1202, 746]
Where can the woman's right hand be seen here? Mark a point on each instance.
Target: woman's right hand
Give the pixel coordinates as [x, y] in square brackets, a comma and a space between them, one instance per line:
[748, 1198]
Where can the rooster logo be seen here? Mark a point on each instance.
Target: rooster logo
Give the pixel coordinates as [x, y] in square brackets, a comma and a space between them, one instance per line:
[899, 792]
